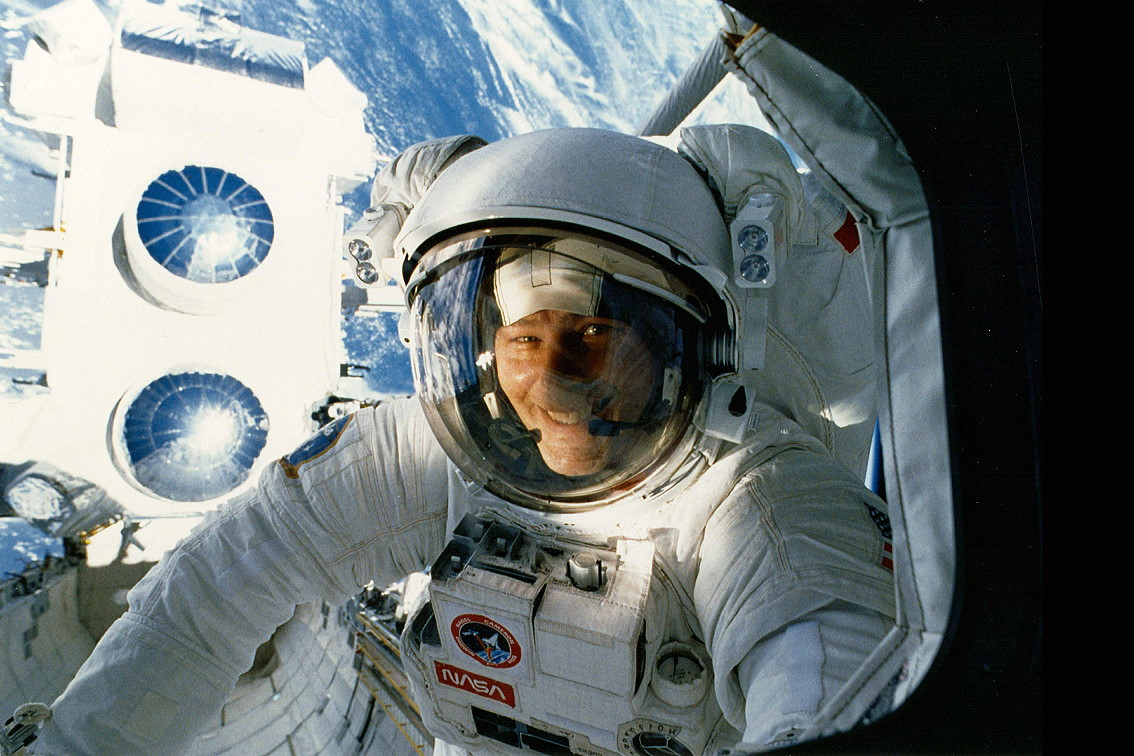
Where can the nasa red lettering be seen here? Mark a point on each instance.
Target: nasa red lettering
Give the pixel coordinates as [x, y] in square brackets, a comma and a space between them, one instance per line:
[485, 640]
[479, 685]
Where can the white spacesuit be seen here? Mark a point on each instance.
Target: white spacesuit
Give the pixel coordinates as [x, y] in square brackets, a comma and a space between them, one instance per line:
[620, 491]
[634, 466]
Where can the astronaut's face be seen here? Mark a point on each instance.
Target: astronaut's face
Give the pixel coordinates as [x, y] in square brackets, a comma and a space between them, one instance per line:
[561, 370]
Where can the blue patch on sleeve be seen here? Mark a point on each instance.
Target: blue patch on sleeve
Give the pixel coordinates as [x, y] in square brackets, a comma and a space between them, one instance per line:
[325, 438]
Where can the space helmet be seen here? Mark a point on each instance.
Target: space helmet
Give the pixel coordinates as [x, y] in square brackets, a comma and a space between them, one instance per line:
[565, 314]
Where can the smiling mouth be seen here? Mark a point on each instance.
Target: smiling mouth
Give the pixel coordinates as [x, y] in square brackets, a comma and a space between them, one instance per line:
[569, 417]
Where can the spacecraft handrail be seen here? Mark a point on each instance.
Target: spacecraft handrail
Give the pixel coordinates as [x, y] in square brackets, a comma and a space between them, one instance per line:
[691, 88]
[214, 41]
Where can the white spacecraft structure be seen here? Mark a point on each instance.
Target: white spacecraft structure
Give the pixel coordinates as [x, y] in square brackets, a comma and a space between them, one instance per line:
[190, 328]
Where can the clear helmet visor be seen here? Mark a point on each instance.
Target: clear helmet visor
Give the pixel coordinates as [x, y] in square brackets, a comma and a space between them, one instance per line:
[558, 370]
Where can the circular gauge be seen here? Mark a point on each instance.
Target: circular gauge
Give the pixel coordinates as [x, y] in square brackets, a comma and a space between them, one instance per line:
[659, 744]
[205, 225]
[190, 436]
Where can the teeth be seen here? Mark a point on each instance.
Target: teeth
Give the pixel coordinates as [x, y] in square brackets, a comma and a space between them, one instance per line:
[565, 418]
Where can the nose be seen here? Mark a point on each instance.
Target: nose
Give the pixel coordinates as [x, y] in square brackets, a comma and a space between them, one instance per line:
[570, 382]
[566, 355]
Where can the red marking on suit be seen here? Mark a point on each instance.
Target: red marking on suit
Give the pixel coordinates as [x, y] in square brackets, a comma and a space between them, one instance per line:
[847, 234]
[478, 685]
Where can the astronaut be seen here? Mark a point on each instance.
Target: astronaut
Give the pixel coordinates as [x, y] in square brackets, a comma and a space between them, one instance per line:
[633, 467]
[577, 358]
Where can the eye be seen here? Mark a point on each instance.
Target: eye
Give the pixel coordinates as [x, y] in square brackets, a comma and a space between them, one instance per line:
[597, 329]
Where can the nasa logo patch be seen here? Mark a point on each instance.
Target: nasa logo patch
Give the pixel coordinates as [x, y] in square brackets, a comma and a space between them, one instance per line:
[486, 640]
[317, 445]
[470, 682]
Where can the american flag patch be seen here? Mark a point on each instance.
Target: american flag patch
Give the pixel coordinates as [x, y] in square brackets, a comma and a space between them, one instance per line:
[882, 522]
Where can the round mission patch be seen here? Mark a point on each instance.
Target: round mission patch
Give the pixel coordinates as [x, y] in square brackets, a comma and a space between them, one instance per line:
[486, 640]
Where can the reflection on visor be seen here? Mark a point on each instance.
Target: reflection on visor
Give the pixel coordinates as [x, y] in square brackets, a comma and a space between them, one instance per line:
[546, 377]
